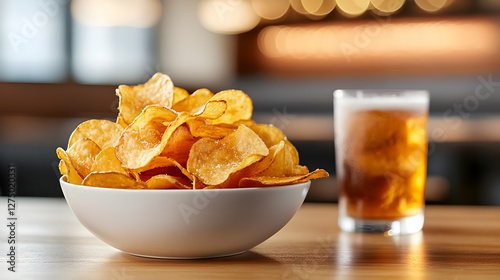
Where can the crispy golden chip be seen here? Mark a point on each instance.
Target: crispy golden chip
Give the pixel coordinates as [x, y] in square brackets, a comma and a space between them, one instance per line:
[239, 106]
[136, 152]
[140, 142]
[200, 127]
[179, 95]
[245, 122]
[121, 122]
[263, 181]
[266, 163]
[232, 180]
[271, 135]
[278, 164]
[194, 101]
[164, 181]
[163, 165]
[82, 154]
[197, 184]
[213, 109]
[104, 133]
[136, 148]
[112, 180]
[293, 151]
[71, 174]
[212, 161]
[274, 156]
[159, 90]
[153, 117]
[179, 144]
[62, 167]
[283, 164]
[106, 161]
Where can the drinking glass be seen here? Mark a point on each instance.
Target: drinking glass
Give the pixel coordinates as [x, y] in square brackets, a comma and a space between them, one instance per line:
[381, 159]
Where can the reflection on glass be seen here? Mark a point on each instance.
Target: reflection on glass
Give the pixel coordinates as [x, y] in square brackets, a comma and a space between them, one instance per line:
[114, 41]
[33, 42]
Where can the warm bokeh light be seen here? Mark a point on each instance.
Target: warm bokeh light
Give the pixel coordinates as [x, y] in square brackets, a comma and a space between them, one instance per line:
[408, 37]
[319, 7]
[270, 9]
[132, 13]
[414, 42]
[433, 5]
[387, 6]
[227, 17]
[352, 8]
[298, 7]
[233, 17]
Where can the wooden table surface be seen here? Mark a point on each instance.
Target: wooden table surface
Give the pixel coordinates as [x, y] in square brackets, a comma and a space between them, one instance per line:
[457, 243]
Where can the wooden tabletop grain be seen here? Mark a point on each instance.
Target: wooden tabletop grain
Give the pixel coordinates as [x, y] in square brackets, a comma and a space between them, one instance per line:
[458, 242]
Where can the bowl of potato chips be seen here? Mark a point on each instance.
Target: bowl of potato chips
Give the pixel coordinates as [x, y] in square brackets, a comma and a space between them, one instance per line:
[181, 175]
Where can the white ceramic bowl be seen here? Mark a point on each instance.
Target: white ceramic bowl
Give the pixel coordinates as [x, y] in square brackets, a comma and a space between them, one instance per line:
[184, 223]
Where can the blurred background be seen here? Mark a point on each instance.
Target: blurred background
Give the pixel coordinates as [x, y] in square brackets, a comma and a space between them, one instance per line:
[61, 60]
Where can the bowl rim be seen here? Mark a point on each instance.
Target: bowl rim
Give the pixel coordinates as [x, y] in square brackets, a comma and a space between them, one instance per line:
[63, 181]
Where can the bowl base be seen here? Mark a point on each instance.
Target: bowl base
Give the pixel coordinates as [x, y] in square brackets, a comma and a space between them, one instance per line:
[188, 258]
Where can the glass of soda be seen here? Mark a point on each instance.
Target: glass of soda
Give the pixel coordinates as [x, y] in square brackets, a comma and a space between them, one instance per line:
[381, 159]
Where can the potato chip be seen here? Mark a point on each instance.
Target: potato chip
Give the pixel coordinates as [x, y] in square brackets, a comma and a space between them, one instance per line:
[213, 109]
[62, 167]
[136, 148]
[232, 180]
[179, 145]
[112, 180]
[106, 161]
[179, 95]
[271, 135]
[71, 174]
[283, 164]
[103, 132]
[239, 106]
[255, 168]
[194, 101]
[121, 122]
[245, 122]
[159, 90]
[140, 141]
[153, 117]
[200, 127]
[163, 165]
[267, 162]
[197, 184]
[293, 151]
[274, 156]
[262, 181]
[212, 161]
[163, 181]
[82, 155]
